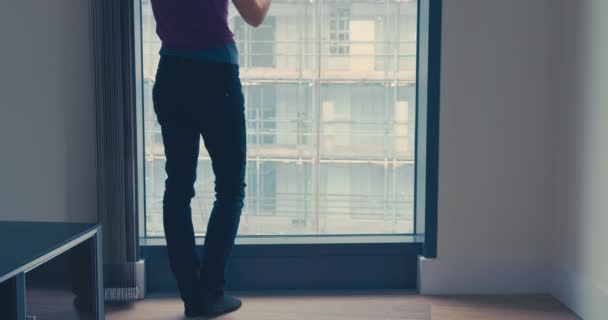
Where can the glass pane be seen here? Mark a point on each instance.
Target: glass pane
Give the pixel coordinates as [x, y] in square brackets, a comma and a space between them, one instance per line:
[330, 103]
[367, 112]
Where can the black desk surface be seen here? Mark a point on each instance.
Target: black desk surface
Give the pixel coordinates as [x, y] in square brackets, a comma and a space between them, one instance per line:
[21, 243]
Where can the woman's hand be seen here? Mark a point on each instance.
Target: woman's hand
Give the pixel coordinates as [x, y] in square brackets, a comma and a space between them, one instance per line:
[252, 11]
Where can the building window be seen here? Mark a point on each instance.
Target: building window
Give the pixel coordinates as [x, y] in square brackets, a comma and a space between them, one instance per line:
[330, 102]
[262, 113]
[339, 32]
[256, 45]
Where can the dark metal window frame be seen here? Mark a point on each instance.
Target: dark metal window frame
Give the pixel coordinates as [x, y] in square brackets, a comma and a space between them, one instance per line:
[329, 262]
[427, 122]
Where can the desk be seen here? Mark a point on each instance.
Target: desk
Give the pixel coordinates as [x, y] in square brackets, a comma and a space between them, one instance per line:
[27, 245]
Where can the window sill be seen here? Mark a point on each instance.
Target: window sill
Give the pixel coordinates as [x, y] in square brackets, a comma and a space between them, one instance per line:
[286, 240]
[304, 262]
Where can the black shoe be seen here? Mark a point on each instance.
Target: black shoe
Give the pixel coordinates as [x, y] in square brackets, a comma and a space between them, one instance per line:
[214, 306]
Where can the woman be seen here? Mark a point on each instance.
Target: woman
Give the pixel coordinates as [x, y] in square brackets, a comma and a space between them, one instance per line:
[198, 92]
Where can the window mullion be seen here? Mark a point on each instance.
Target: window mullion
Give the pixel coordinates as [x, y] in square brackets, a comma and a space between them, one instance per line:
[317, 112]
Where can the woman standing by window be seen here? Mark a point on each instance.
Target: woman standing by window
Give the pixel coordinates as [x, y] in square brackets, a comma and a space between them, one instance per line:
[198, 92]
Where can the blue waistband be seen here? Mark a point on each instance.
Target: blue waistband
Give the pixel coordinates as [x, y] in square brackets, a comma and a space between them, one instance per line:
[227, 53]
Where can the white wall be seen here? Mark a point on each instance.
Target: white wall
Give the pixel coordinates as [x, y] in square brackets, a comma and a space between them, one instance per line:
[495, 167]
[523, 196]
[47, 115]
[580, 253]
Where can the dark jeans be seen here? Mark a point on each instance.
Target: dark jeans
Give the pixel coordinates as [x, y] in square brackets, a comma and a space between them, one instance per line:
[193, 98]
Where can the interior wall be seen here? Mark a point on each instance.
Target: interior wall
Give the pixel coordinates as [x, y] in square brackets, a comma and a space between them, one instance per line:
[580, 257]
[495, 158]
[47, 114]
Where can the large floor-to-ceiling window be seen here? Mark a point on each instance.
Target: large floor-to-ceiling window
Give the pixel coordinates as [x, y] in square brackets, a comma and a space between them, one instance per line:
[330, 90]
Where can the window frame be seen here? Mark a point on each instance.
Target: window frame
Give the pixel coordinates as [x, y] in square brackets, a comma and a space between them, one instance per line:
[395, 253]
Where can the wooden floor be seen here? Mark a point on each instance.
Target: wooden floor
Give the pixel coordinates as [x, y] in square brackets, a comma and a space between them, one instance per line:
[359, 306]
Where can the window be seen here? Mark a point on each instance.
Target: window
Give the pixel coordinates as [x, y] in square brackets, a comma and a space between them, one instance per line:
[339, 28]
[330, 91]
[262, 113]
[256, 45]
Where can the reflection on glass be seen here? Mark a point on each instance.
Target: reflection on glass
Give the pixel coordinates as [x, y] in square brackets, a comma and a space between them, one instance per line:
[330, 104]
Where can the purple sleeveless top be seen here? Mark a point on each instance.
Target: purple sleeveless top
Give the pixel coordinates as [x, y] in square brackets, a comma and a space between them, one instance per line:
[192, 24]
